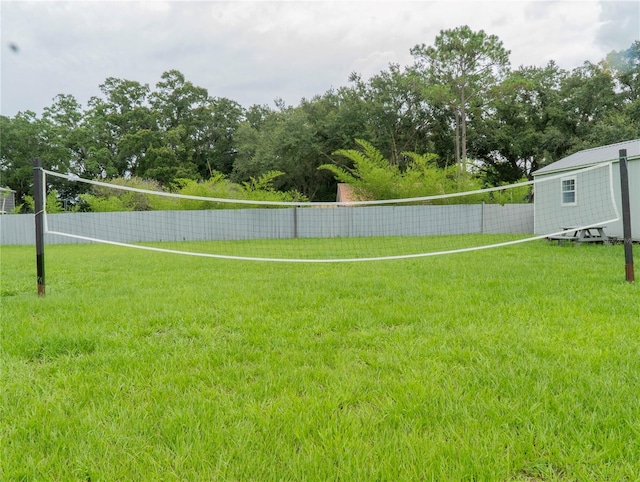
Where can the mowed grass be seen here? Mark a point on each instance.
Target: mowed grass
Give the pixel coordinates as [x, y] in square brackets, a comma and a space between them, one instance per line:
[518, 363]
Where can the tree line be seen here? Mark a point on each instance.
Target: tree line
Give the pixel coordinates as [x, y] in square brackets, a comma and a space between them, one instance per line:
[460, 104]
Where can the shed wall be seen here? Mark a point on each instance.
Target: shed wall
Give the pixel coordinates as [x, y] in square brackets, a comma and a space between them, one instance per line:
[594, 204]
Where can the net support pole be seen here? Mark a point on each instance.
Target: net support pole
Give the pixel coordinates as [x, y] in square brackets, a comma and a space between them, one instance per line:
[39, 205]
[626, 216]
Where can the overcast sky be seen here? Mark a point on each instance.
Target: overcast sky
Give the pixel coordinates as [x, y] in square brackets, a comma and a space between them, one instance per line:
[256, 51]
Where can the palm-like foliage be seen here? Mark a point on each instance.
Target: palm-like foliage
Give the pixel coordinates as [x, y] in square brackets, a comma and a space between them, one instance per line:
[374, 177]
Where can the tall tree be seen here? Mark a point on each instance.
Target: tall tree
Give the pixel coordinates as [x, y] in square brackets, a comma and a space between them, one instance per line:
[197, 129]
[622, 122]
[123, 111]
[396, 115]
[625, 66]
[296, 140]
[177, 99]
[22, 139]
[285, 141]
[588, 95]
[528, 126]
[459, 70]
[68, 140]
[212, 137]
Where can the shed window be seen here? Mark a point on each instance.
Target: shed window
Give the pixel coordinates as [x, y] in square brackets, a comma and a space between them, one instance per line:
[569, 191]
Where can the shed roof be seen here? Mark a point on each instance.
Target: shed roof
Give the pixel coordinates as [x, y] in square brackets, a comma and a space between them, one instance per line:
[593, 156]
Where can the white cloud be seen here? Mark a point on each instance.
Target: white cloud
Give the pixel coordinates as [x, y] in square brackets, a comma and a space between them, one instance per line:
[620, 24]
[559, 31]
[254, 52]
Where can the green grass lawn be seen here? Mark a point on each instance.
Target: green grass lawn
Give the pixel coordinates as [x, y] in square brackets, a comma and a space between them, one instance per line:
[518, 363]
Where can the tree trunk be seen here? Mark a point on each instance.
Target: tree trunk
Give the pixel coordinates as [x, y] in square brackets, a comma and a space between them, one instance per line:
[394, 151]
[457, 136]
[463, 115]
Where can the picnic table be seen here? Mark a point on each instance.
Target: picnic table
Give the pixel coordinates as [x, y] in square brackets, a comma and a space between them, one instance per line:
[582, 234]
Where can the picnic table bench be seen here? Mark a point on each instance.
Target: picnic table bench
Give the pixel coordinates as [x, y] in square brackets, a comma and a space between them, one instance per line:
[588, 234]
